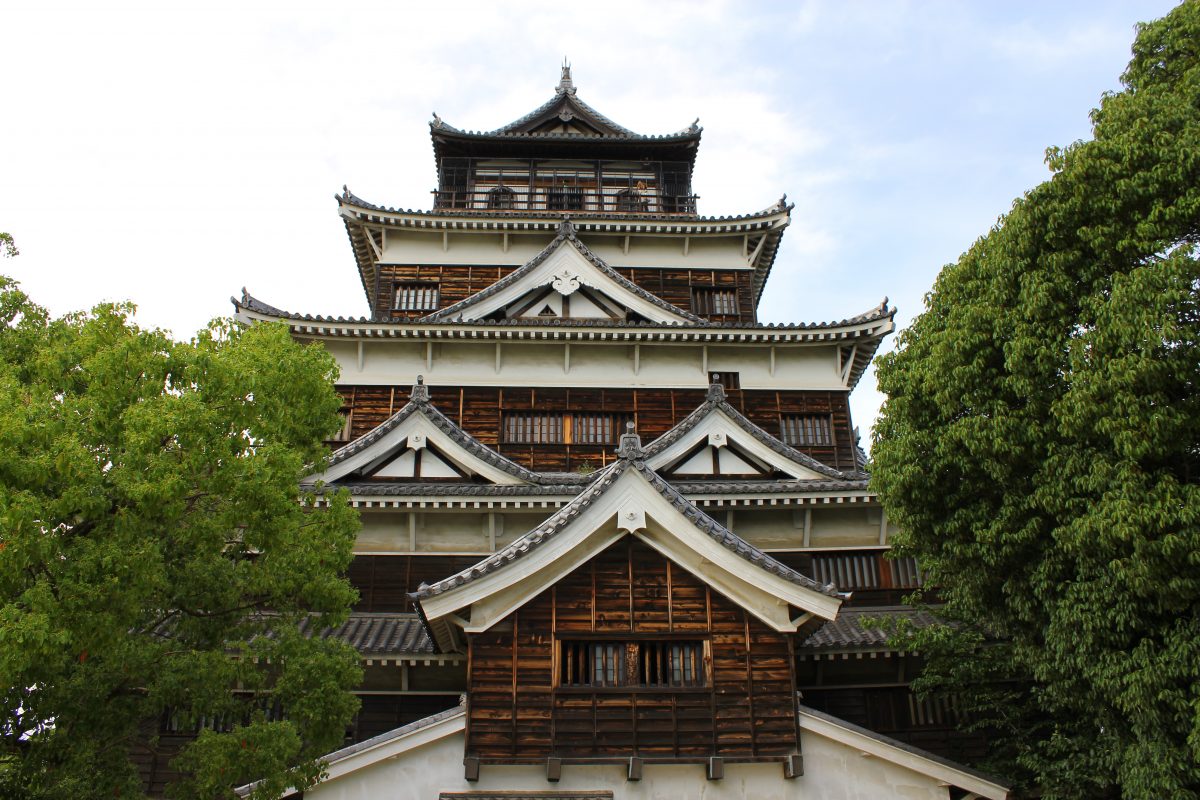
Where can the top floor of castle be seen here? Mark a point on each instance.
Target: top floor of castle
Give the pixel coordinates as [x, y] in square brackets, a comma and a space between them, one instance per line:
[564, 156]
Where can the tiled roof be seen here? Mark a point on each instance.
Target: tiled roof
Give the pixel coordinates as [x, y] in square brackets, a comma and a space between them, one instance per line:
[847, 632]
[716, 401]
[379, 635]
[566, 234]
[630, 217]
[631, 457]
[419, 403]
[569, 106]
[880, 312]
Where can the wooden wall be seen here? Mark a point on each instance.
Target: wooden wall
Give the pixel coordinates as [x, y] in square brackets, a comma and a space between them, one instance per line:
[479, 410]
[516, 713]
[383, 582]
[458, 282]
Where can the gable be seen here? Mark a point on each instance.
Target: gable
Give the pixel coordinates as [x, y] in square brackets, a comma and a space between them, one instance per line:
[716, 445]
[414, 448]
[624, 501]
[564, 281]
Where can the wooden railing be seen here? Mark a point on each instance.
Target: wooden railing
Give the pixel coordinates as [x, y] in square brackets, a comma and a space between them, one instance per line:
[564, 199]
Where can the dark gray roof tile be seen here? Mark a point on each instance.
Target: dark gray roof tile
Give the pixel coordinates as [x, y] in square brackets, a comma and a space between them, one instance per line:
[847, 632]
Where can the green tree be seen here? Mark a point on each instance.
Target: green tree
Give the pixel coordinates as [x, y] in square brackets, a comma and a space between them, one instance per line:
[8, 247]
[1040, 448]
[155, 555]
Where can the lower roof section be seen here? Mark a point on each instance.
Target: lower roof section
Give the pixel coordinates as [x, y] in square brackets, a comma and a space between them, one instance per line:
[840, 760]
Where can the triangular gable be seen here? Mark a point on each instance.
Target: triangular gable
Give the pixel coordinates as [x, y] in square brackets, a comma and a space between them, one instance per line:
[571, 282]
[627, 498]
[419, 443]
[718, 441]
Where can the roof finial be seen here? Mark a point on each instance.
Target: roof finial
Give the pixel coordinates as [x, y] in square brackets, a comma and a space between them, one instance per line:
[716, 392]
[420, 392]
[566, 228]
[565, 83]
[631, 444]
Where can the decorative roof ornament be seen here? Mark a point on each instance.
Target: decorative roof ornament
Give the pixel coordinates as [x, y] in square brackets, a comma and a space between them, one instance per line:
[631, 444]
[437, 121]
[565, 84]
[716, 392]
[420, 392]
[695, 126]
[566, 228]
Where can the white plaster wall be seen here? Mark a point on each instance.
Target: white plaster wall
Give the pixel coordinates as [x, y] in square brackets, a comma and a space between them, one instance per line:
[590, 364]
[661, 250]
[467, 531]
[844, 527]
[831, 772]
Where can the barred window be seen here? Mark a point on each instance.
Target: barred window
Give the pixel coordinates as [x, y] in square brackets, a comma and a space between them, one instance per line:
[806, 430]
[574, 427]
[860, 571]
[605, 664]
[715, 302]
[415, 297]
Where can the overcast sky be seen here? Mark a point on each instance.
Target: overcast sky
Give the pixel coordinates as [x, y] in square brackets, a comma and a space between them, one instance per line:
[170, 153]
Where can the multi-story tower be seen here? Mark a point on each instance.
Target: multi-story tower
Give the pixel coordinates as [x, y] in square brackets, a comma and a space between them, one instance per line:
[625, 519]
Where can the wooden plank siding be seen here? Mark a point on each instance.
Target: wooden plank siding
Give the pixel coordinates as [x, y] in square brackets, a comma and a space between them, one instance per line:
[517, 713]
[480, 411]
[383, 582]
[456, 282]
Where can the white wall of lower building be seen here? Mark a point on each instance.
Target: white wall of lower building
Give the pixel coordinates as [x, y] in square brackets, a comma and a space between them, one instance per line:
[832, 771]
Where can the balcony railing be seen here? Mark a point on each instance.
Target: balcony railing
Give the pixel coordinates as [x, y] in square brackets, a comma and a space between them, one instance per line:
[558, 199]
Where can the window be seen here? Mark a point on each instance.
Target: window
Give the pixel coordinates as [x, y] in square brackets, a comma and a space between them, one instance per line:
[565, 198]
[715, 302]
[631, 200]
[500, 197]
[864, 571]
[657, 664]
[571, 427]
[415, 297]
[806, 429]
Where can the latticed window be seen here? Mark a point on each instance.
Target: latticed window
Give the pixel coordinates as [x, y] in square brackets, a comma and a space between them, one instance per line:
[605, 664]
[861, 571]
[631, 200]
[500, 197]
[715, 302]
[564, 198]
[573, 427]
[415, 297]
[806, 429]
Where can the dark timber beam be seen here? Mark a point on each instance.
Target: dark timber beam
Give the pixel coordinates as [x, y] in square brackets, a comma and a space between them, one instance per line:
[635, 769]
[716, 768]
[553, 769]
[471, 768]
[794, 766]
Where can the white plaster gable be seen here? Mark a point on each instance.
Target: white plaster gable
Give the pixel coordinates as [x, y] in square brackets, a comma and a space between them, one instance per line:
[737, 450]
[631, 505]
[561, 274]
[394, 454]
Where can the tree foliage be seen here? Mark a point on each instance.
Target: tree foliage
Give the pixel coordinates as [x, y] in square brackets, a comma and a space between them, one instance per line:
[1040, 448]
[155, 556]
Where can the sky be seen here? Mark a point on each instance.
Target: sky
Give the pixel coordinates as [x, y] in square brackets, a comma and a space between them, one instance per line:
[173, 153]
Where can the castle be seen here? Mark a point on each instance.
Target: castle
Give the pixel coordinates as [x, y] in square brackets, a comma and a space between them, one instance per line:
[617, 538]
